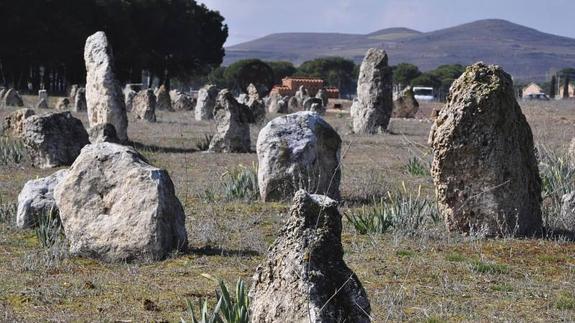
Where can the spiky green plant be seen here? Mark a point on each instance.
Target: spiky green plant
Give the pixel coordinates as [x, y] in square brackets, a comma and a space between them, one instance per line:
[49, 228]
[228, 309]
[402, 211]
[416, 167]
[7, 212]
[241, 183]
[11, 151]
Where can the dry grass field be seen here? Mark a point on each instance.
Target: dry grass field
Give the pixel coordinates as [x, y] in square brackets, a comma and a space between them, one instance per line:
[422, 275]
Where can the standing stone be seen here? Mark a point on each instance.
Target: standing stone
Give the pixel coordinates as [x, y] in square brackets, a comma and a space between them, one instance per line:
[116, 207]
[54, 139]
[12, 98]
[103, 132]
[73, 90]
[298, 151]
[103, 93]
[301, 95]
[181, 101]
[405, 106]
[206, 102]
[293, 104]
[42, 104]
[14, 122]
[37, 199]
[164, 103]
[322, 95]
[484, 167]
[304, 277]
[42, 94]
[314, 105]
[256, 104]
[3, 91]
[62, 104]
[129, 99]
[372, 108]
[283, 105]
[272, 102]
[144, 105]
[80, 100]
[233, 125]
[566, 220]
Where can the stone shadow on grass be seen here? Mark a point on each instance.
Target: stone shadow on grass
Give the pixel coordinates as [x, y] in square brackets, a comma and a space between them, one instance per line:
[212, 251]
[153, 148]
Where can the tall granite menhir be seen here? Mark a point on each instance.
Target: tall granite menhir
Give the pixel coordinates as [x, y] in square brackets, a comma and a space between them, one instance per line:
[371, 110]
[484, 167]
[104, 96]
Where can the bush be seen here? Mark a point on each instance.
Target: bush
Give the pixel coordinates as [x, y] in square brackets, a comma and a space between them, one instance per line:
[401, 211]
[241, 183]
[49, 228]
[11, 152]
[228, 309]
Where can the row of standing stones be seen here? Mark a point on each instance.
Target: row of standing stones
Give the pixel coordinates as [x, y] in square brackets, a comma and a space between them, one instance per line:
[484, 170]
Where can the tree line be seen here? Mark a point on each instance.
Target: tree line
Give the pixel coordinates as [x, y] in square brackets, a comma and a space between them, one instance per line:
[43, 40]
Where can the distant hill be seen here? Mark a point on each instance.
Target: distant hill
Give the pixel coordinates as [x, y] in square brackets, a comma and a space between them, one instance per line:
[526, 53]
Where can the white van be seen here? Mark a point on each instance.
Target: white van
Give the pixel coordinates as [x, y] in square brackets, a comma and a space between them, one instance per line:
[423, 93]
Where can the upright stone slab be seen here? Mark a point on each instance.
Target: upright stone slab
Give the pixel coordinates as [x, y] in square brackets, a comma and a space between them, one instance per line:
[103, 93]
[164, 103]
[103, 132]
[484, 167]
[181, 101]
[256, 104]
[42, 104]
[144, 105]
[62, 104]
[301, 95]
[73, 90]
[13, 124]
[293, 104]
[304, 277]
[12, 98]
[232, 124]
[42, 94]
[372, 108]
[80, 100]
[322, 95]
[405, 106]
[116, 207]
[314, 105]
[54, 139]
[298, 151]
[206, 101]
[129, 95]
[37, 199]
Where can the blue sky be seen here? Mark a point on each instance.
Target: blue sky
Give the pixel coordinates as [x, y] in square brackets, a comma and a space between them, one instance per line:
[250, 19]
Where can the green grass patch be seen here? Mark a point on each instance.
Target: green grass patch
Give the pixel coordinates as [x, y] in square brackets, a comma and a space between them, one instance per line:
[455, 257]
[502, 288]
[565, 301]
[405, 253]
[488, 268]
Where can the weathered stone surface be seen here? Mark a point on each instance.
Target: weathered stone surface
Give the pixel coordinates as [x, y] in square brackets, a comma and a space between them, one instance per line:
[293, 104]
[62, 104]
[103, 93]
[206, 101]
[73, 90]
[301, 95]
[54, 139]
[144, 105]
[405, 106]
[103, 132]
[80, 100]
[182, 101]
[115, 206]
[314, 105]
[12, 98]
[322, 94]
[256, 104]
[372, 109]
[42, 94]
[298, 151]
[484, 167]
[304, 268]
[42, 104]
[566, 221]
[233, 125]
[129, 99]
[13, 124]
[164, 103]
[282, 105]
[37, 198]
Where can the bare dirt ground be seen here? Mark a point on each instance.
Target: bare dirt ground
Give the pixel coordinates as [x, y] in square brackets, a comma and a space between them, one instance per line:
[430, 276]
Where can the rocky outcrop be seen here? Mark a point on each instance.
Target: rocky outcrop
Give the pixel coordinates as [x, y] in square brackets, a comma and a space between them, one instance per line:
[232, 124]
[371, 110]
[304, 277]
[484, 167]
[103, 132]
[54, 139]
[13, 124]
[206, 101]
[116, 207]
[144, 105]
[12, 98]
[405, 106]
[37, 199]
[298, 151]
[104, 96]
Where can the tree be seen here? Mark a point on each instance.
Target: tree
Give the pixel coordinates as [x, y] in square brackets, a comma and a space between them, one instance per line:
[553, 87]
[335, 71]
[240, 74]
[281, 69]
[404, 73]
